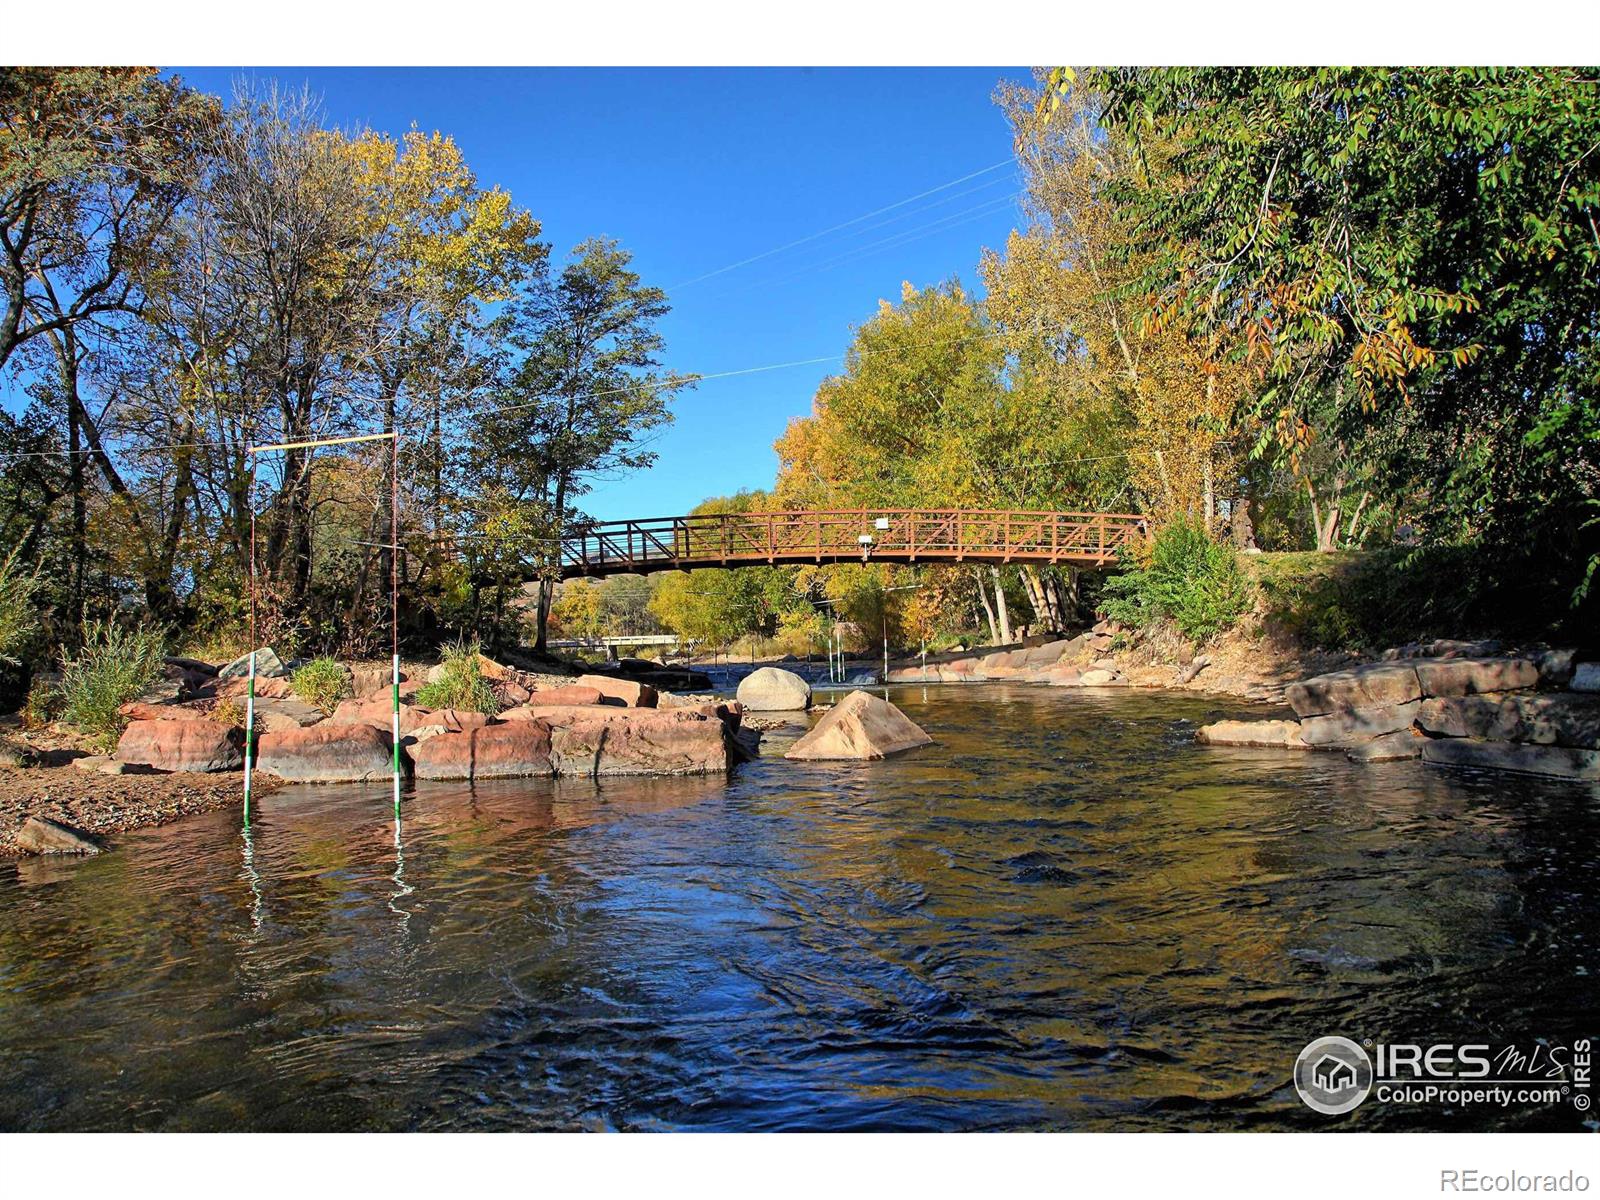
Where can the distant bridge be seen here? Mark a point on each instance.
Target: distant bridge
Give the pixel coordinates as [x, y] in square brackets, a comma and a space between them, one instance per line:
[853, 535]
[628, 641]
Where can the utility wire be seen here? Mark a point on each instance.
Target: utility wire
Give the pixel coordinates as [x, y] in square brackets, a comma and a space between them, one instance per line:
[744, 262]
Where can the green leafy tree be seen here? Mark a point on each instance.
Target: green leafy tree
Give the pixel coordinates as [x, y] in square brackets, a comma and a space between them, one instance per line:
[1426, 235]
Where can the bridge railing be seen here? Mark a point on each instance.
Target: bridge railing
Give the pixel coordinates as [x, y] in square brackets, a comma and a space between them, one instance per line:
[900, 535]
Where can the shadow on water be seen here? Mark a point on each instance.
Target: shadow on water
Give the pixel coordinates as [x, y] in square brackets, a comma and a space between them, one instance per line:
[1062, 915]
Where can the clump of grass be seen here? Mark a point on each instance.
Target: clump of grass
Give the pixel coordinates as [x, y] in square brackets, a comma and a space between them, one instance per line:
[113, 666]
[461, 683]
[323, 682]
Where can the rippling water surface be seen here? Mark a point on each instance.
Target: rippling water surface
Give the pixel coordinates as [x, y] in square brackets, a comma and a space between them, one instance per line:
[1063, 915]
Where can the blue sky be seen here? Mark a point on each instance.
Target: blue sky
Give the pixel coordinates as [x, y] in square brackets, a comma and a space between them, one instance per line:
[694, 170]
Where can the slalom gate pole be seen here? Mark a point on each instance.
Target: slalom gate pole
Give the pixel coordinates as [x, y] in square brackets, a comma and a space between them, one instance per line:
[394, 602]
[394, 614]
[250, 688]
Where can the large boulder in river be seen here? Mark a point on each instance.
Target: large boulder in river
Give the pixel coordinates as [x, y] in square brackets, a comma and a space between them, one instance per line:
[327, 753]
[515, 749]
[860, 726]
[674, 741]
[604, 739]
[267, 664]
[620, 691]
[772, 689]
[196, 744]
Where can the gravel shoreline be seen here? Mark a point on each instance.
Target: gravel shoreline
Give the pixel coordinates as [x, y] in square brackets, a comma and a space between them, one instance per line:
[104, 804]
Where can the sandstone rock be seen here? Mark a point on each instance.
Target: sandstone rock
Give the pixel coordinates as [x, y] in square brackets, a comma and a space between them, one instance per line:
[102, 763]
[1559, 761]
[140, 710]
[268, 688]
[1098, 677]
[378, 711]
[327, 753]
[1551, 719]
[623, 691]
[274, 715]
[679, 741]
[509, 691]
[1466, 676]
[1358, 724]
[1062, 675]
[772, 689]
[40, 835]
[571, 693]
[182, 745]
[861, 726]
[1376, 685]
[1389, 747]
[1586, 677]
[516, 749]
[491, 670]
[267, 664]
[372, 678]
[1283, 735]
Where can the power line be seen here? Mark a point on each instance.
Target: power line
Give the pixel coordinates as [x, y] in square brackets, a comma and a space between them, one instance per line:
[744, 262]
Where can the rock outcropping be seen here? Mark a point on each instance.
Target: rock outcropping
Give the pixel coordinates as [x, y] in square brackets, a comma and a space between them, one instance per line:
[1451, 711]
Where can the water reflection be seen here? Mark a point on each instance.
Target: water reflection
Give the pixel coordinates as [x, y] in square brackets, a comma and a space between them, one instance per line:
[1063, 915]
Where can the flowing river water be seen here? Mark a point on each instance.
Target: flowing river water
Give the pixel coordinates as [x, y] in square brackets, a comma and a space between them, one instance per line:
[1063, 915]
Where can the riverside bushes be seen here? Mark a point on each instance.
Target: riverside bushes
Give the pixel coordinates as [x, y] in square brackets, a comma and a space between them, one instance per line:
[113, 666]
[323, 682]
[1191, 580]
[461, 683]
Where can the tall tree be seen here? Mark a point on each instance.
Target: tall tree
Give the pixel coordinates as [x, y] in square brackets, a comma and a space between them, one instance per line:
[1428, 234]
[581, 392]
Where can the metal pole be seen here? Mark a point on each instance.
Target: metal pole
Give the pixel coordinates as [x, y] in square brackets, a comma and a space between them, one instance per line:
[394, 613]
[250, 690]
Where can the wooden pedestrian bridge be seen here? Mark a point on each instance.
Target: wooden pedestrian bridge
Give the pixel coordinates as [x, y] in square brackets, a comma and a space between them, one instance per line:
[1081, 539]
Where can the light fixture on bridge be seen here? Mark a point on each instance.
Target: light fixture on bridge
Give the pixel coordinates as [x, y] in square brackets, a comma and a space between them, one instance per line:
[865, 539]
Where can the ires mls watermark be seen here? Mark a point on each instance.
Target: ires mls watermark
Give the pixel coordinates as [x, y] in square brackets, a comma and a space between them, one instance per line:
[1335, 1075]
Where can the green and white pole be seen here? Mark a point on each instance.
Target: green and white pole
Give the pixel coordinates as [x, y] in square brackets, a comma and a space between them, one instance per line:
[394, 614]
[250, 687]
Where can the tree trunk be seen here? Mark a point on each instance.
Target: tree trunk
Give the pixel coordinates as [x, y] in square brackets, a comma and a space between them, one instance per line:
[988, 611]
[1000, 608]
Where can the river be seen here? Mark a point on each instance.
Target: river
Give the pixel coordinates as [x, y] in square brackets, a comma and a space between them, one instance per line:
[1063, 915]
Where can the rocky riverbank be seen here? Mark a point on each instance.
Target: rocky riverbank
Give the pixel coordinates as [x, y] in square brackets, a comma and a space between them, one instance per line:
[104, 804]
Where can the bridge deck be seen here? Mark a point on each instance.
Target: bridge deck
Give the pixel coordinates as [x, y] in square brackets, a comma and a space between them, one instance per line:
[853, 535]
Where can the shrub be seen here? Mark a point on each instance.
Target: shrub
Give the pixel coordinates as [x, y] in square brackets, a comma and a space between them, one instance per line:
[1191, 580]
[114, 665]
[323, 682]
[460, 684]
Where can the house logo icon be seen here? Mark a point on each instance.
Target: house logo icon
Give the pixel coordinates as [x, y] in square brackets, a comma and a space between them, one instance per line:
[1333, 1075]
